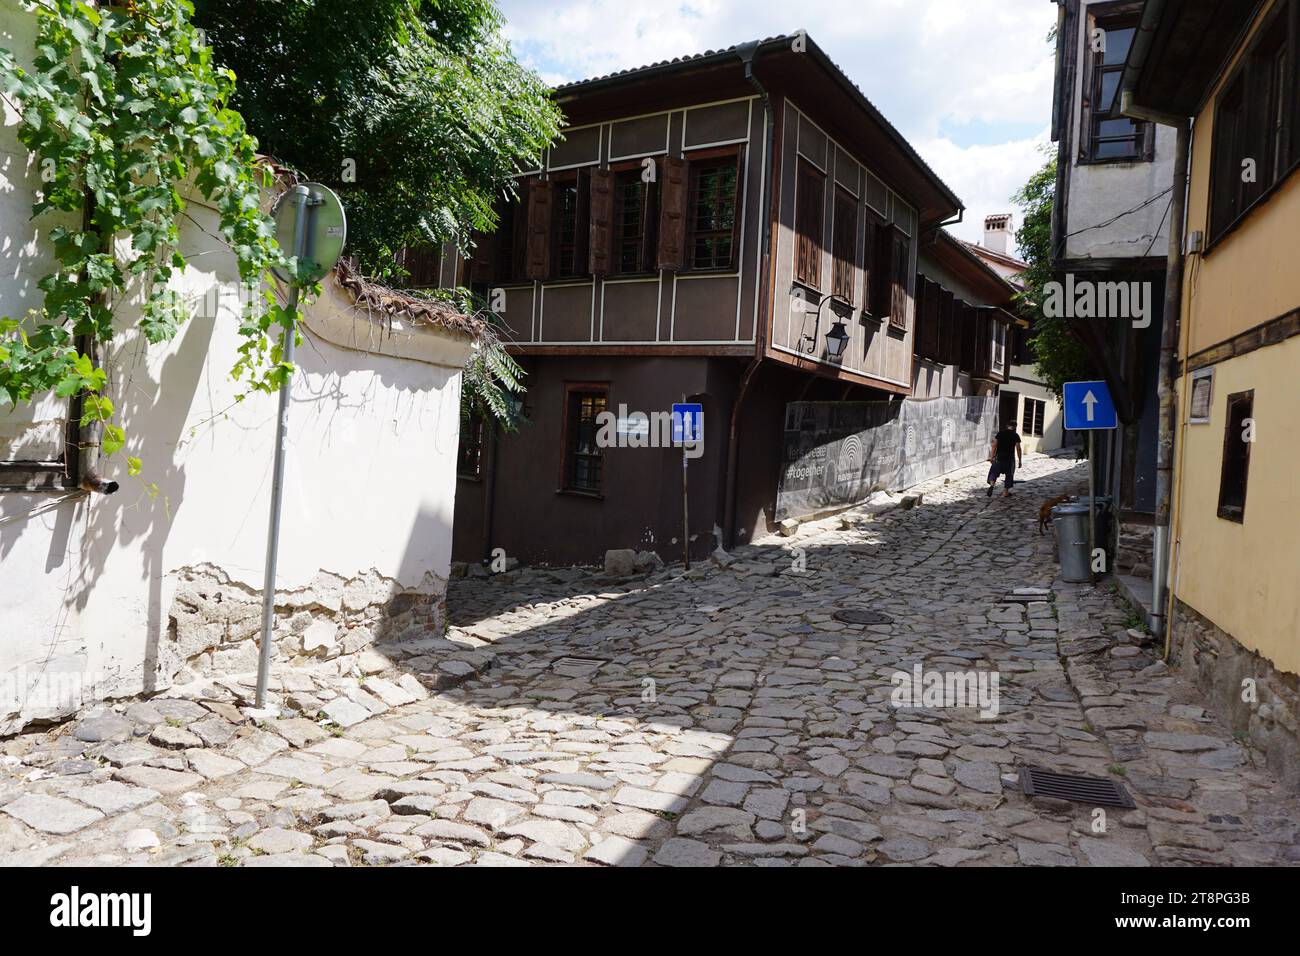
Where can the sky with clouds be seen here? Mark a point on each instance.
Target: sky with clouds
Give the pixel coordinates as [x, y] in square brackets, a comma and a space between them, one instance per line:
[968, 82]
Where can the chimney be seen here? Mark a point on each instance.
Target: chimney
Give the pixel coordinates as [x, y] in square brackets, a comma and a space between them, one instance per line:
[997, 233]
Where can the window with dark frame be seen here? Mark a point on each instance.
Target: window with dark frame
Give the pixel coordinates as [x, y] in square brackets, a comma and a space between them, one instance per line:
[469, 453]
[634, 217]
[845, 231]
[1236, 457]
[61, 469]
[509, 264]
[1256, 118]
[1111, 136]
[876, 269]
[1032, 420]
[1230, 120]
[810, 210]
[1271, 69]
[712, 212]
[569, 225]
[584, 461]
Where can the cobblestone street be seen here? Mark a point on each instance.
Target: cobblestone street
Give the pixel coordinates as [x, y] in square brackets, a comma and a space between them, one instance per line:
[721, 717]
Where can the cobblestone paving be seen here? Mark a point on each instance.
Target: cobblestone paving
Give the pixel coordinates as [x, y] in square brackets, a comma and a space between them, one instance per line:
[732, 721]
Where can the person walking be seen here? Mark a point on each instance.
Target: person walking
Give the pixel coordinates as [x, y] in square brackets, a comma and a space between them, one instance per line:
[1004, 453]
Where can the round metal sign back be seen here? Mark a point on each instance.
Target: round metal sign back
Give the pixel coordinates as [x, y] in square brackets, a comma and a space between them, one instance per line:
[327, 230]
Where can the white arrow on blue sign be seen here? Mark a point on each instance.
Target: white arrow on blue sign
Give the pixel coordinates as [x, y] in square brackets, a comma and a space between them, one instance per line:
[1088, 406]
[688, 423]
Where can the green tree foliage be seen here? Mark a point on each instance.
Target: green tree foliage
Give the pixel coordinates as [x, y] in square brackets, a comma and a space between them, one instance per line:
[127, 117]
[1060, 356]
[415, 111]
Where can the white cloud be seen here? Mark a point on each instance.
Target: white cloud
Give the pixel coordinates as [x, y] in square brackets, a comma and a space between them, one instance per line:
[964, 81]
[985, 177]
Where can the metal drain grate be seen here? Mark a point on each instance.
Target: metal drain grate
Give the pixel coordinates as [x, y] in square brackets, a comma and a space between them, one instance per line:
[861, 616]
[1096, 791]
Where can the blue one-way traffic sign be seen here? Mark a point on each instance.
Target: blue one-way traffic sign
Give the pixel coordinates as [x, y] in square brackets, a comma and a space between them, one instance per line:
[1088, 406]
[688, 423]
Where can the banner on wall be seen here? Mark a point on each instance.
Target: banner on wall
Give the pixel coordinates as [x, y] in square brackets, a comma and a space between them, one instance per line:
[838, 453]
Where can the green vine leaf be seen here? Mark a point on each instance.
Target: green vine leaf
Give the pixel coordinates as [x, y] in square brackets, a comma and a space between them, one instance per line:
[124, 109]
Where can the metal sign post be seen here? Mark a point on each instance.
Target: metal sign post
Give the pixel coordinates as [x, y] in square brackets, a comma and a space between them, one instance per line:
[688, 427]
[313, 216]
[1088, 407]
[1092, 507]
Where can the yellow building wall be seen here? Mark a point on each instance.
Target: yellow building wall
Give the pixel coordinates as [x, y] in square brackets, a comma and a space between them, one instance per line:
[1243, 577]
[1253, 274]
[1246, 577]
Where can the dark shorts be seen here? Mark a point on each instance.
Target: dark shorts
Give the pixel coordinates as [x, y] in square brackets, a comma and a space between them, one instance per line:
[1005, 468]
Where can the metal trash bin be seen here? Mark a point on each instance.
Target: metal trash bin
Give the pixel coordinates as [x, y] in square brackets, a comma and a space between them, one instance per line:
[1071, 523]
[1104, 517]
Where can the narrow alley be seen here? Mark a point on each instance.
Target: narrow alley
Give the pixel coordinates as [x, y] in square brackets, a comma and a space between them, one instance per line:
[720, 717]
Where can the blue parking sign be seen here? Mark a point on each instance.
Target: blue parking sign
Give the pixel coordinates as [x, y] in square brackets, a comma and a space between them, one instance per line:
[1088, 406]
[688, 423]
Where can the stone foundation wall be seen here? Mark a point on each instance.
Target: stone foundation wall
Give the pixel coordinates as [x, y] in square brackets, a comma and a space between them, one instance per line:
[212, 629]
[214, 622]
[1264, 712]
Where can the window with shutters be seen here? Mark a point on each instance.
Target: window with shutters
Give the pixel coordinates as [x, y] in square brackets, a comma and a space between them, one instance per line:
[845, 228]
[1236, 456]
[634, 215]
[509, 253]
[876, 271]
[949, 337]
[712, 216]
[900, 270]
[584, 461]
[810, 210]
[569, 225]
[1256, 143]
[926, 339]
[968, 330]
[1108, 134]
[999, 330]
[1035, 414]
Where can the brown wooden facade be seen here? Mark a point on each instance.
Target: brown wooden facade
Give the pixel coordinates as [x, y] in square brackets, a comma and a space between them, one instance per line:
[696, 235]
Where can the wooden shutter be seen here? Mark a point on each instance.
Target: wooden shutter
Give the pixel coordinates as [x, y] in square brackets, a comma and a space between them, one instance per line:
[582, 223]
[602, 220]
[900, 252]
[672, 214]
[949, 344]
[918, 344]
[538, 254]
[967, 331]
[927, 313]
[810, 218]
[842, 239]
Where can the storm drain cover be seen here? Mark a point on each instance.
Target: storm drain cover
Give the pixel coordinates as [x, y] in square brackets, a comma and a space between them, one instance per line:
[1096, 791]
[861, 616]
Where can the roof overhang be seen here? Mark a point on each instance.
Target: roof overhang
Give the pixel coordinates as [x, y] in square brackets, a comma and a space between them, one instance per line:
[1180, 49]
[953, 255]
[807, 75]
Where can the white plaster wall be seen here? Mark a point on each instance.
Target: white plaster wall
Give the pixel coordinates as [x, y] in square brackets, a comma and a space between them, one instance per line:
[1100, 191]
[30, 434]
[86, 582]
[1024, 380]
